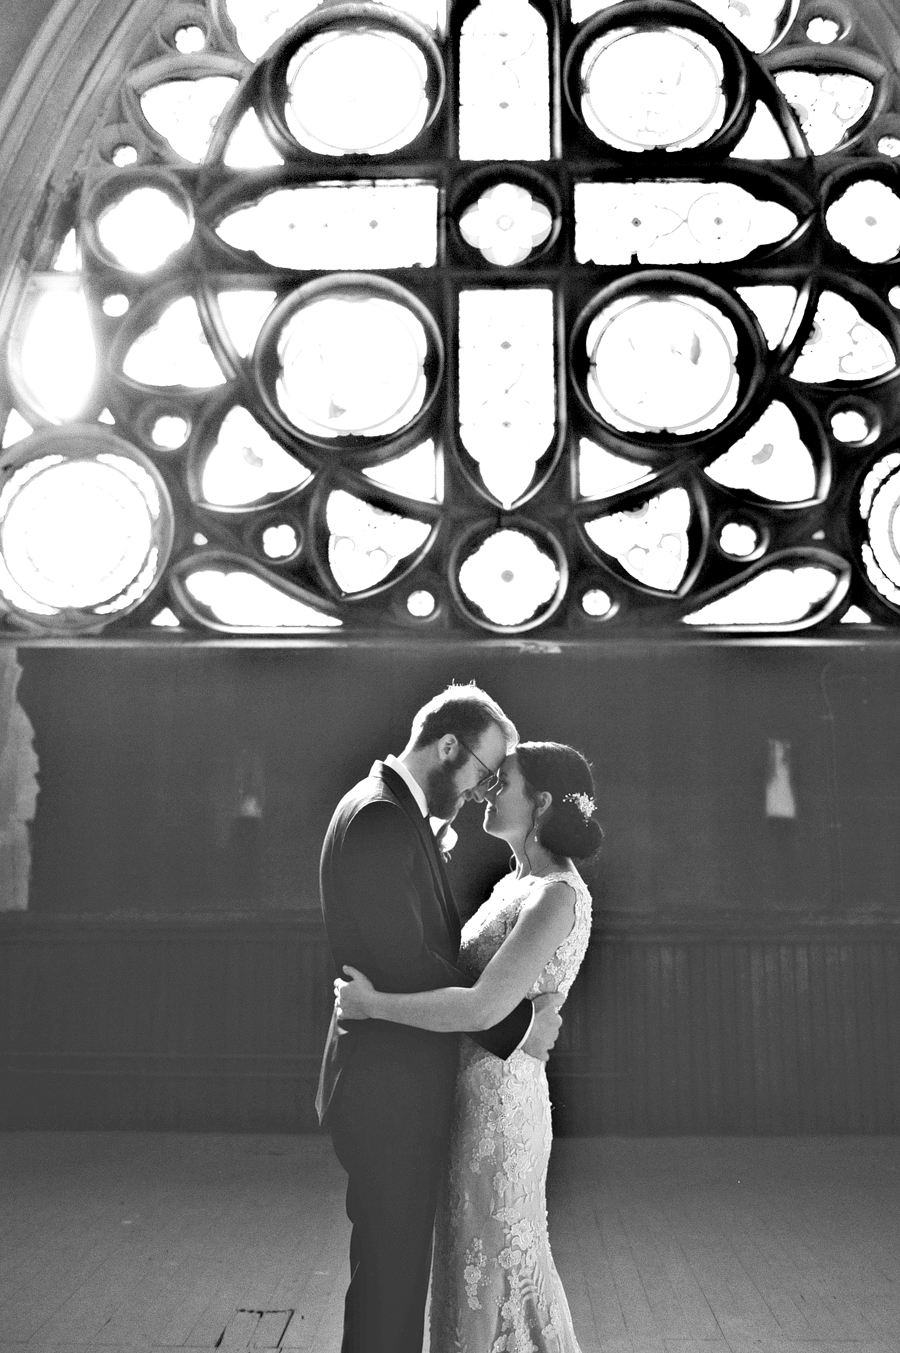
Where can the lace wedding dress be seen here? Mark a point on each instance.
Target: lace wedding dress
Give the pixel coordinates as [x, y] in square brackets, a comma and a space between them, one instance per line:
[495, 1288]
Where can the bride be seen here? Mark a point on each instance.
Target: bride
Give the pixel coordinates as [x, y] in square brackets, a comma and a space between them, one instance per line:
[495, 1288]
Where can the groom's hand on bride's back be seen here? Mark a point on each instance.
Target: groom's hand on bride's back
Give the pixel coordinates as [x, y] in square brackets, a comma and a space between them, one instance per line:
[545, 1026]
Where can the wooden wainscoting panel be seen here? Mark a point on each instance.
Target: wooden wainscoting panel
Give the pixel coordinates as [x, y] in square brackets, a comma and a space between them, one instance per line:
[670, 1032]
[204, 1023]
[759, 1025]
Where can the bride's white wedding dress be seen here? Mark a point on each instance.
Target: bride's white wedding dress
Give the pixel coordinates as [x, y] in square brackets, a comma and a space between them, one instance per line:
[495, 1288]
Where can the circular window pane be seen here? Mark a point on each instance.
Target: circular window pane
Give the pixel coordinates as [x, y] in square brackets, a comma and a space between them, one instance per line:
[143, 228]
[865, 219]
[882, 554]
[850, 425]
[662, 364]
[652, 89]
[279, 542]
[170, 432]
[80, 532]
[421, 604]
[823, 30]
[596, 602]
[357, 91]
[506, 224]
[190, 39]
[738, 539]
[510, 577]
[352, 366]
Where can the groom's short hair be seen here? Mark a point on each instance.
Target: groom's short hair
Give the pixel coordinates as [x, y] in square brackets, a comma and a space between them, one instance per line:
[465, 711]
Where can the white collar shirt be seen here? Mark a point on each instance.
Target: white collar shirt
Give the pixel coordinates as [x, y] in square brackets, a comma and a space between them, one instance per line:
[447, 835]
[410, 781]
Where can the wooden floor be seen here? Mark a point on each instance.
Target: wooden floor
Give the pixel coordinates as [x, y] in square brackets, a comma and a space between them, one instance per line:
[696, 1245]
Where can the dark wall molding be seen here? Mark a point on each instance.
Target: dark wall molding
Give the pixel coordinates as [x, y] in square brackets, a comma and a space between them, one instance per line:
[650, 927]
[216, 1023]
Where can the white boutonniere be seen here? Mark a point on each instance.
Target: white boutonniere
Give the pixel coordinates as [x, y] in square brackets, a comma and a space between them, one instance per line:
[445, 837]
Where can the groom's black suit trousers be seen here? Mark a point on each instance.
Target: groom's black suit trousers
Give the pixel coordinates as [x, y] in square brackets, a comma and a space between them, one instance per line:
[386, 1091]
[390, 1133]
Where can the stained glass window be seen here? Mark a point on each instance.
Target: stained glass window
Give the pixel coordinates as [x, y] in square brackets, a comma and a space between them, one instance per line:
[490, 317]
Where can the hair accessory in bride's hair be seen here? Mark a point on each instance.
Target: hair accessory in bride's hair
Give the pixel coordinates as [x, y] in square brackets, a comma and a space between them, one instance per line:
[584, 803]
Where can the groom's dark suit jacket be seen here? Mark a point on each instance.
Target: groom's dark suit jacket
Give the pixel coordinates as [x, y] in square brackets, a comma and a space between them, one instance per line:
[389, 912]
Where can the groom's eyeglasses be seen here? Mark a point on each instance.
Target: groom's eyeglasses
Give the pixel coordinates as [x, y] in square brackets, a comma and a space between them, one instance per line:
[488, 782]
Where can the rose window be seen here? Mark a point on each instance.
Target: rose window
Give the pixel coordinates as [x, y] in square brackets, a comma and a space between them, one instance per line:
[491, 317]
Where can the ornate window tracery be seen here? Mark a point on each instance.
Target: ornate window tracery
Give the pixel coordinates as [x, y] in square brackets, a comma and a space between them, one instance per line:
[501, 319]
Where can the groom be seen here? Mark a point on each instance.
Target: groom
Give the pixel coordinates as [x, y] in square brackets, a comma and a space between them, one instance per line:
[386, 1090]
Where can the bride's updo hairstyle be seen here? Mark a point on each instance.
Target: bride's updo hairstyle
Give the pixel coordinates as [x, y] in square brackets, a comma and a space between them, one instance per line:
[568, 829]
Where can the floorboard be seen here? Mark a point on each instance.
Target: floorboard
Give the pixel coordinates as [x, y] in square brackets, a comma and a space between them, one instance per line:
[153, 1242]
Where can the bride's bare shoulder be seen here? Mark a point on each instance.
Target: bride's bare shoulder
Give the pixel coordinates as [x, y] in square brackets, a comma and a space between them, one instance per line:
[552, 897]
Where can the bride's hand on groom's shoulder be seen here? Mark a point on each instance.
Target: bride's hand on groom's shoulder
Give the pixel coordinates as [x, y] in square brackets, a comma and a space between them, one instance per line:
[352, 997]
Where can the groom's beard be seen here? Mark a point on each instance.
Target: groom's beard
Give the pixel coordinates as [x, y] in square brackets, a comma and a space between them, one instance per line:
[443, 793]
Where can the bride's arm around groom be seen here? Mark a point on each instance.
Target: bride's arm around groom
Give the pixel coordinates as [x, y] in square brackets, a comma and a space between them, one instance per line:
[386, 1090]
